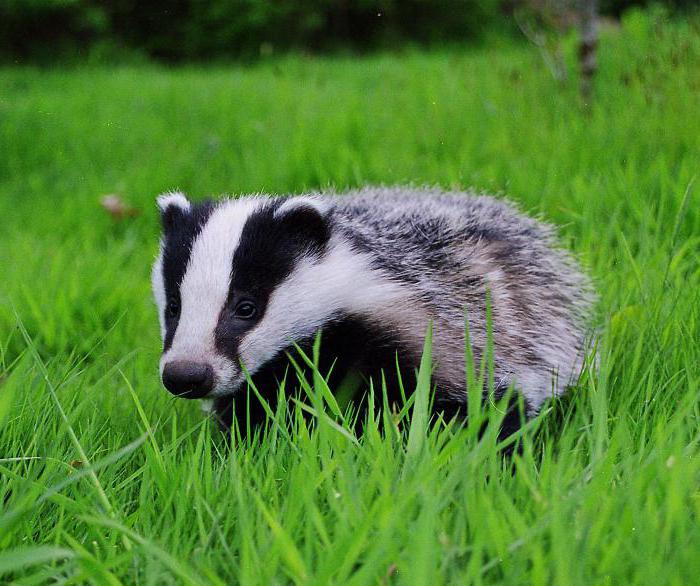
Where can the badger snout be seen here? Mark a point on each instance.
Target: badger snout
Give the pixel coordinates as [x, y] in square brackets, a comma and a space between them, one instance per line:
[187, 379]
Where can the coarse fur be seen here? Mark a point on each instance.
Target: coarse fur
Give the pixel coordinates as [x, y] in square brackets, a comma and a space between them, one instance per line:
[370, 269]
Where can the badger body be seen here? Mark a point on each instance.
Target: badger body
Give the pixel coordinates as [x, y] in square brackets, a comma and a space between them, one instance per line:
[240, 283]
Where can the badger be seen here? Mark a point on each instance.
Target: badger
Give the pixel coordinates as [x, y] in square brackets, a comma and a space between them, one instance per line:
[243, 283]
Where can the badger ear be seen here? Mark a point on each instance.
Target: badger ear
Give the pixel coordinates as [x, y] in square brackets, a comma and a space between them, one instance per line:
[173, 206]
[306, 218]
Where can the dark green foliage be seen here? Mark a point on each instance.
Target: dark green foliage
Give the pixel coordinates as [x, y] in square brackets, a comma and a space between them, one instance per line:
[203, 29]
[617, 7]
[47, 30]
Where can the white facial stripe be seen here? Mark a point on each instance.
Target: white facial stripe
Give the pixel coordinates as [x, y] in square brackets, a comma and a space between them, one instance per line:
[342, 281]
[158, 286]
[205, 287]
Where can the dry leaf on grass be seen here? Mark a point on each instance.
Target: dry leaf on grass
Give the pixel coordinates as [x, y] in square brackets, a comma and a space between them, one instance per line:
[116, 207]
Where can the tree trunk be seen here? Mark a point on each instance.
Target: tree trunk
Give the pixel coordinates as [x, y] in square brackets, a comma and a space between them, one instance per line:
[588, 11]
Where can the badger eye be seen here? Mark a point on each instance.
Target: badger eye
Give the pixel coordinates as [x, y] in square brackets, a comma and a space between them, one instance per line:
[172, 310]
[245, 310]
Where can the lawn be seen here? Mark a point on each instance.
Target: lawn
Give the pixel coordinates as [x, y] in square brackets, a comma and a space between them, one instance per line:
[107, 478]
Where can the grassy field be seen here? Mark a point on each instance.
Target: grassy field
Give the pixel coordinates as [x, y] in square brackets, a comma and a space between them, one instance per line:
[105, 477]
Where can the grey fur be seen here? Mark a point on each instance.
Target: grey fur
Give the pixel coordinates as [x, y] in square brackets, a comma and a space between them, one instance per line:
[450, 248]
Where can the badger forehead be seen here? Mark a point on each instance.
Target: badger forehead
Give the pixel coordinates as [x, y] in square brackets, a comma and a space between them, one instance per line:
[245, 242]
[197, 252]
[205, 283]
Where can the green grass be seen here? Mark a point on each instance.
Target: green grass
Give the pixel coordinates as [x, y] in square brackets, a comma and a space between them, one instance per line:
[104, 477]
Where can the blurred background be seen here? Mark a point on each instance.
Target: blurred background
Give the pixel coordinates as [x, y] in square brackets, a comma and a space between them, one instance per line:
[584, 112]
[47, 31]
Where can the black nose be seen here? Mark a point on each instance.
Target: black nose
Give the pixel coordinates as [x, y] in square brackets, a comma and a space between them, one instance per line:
[190, 380]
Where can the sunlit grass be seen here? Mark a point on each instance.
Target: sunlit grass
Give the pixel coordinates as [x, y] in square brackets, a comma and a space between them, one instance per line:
[105, 477]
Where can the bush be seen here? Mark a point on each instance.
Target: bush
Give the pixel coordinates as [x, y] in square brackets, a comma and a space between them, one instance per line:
[44, 29]
[178, 30]
[196, 29]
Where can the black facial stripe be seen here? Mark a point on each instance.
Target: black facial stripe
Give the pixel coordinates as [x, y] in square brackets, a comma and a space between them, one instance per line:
[181, 227]
[266, 254]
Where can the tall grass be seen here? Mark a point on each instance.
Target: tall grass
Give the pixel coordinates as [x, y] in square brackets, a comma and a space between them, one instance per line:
[106, 478]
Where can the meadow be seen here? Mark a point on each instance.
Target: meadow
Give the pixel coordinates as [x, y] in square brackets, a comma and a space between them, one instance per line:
[107, 478]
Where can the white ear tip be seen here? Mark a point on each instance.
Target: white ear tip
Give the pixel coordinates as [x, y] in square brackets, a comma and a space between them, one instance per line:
[294, 203]
[173, 198]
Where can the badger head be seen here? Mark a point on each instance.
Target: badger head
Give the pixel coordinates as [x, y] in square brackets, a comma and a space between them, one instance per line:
[237, 283]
